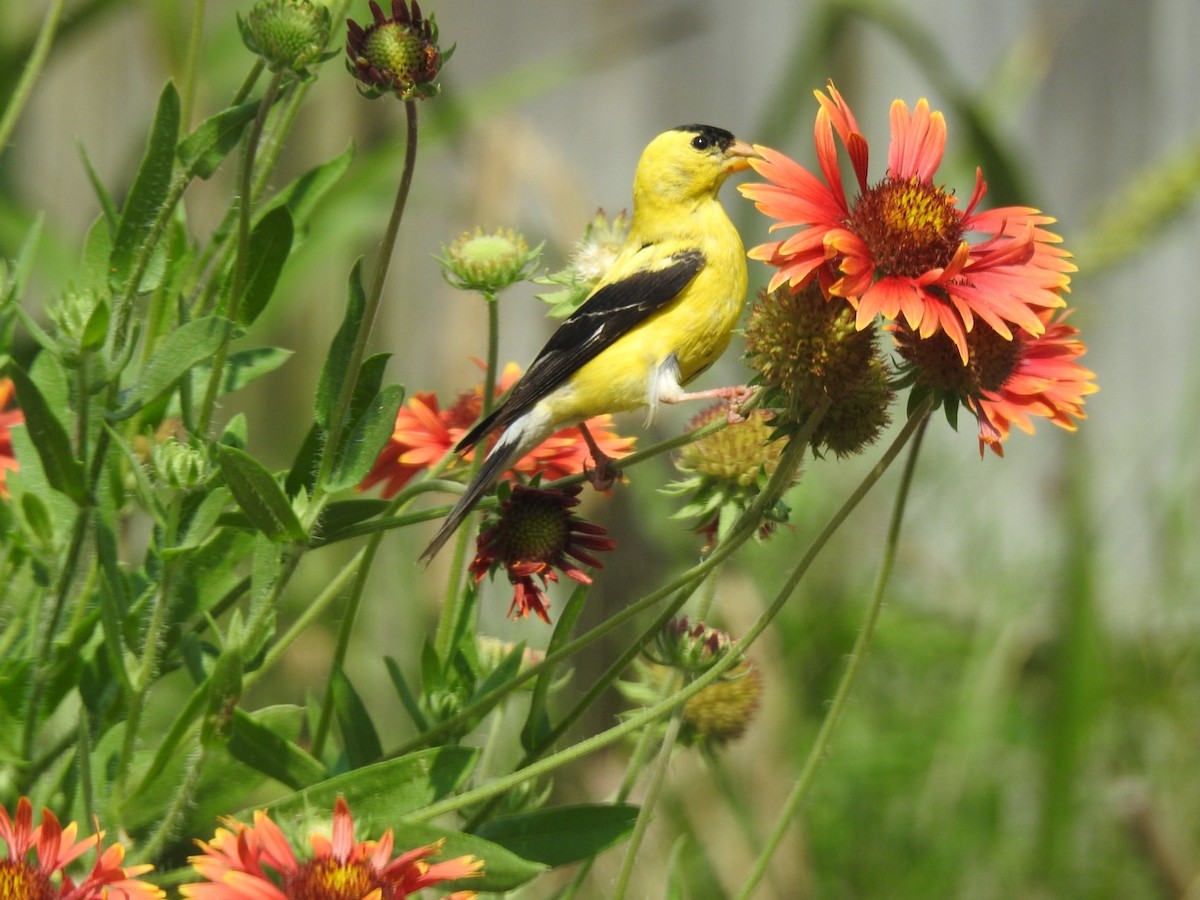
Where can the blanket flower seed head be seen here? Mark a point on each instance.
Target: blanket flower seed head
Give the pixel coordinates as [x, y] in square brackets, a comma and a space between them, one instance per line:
[722, 711]
[1004, 382]
[44, 877]
[289, 35]
[488, 262]
[903, 248]
[257, 862]
[397, 54]
[806, 351]
[534, 533]
[589, 262]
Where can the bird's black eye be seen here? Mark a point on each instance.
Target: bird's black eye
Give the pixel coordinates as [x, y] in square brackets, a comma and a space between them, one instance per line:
[701, 142]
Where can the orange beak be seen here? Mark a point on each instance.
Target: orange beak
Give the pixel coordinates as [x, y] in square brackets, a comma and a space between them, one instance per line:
[738, 157]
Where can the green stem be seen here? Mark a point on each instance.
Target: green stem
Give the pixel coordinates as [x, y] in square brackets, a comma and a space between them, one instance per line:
[820, 747]
[646, 813]
[337, 417]
[33, 68]
[187, 90]
[665, 707]
[241, 262]
[453, 600]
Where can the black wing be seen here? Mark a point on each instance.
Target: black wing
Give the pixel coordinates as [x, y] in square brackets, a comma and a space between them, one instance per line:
[609, 313]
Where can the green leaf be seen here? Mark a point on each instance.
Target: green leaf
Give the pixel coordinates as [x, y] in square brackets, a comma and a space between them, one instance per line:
[303, 473]
[388, 790]
[181, 351]
[97, 248]
[149, 192]
[63, 471]
[563, 834]
[111, 215]
[303, 194]
[264, 749]
[407, 697]
[337, 517]
[241, 368]
[337, 363]
[202, 151]
[95, 330]
[370, 434]
[360, 740]
[23, 263]
[270, 244]
[259, 495]
[503, 870]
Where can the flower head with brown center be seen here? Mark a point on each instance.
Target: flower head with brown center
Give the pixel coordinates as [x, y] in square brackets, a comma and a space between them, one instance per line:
[533, 533]
[256, 862]
[9, 415]
[44, 877]
[1005, 382]
[396, 54]
[807, 352]
[901, 249]
[425, 433]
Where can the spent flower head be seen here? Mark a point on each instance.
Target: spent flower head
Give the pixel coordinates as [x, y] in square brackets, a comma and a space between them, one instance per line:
[724, 471]
[396, 54]
[289, 35]
[43, 876]
[807, 351]
[722, 711]
[901, 248]
[257, 862]
[533, 533]
[488, 262]
[1004, 382]
[590, 260]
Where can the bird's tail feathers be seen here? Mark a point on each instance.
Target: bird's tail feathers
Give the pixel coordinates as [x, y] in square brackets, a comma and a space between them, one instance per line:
[507, 450]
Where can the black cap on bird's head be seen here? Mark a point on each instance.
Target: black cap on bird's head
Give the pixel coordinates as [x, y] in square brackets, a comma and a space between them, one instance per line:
[713, 135]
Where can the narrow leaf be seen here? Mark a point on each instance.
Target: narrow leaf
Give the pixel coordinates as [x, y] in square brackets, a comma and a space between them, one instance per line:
[561, 835]
[359, 738]
[303, 194]
[241, 368]
[259, 495]
[303, 473]
[261, 748]
[411, 706]
[344, 514]
[368, 438]
[388, 790]
[111, 215]
[337, 364]
[49, 438]
[202, 151]
[150, 188]
[97, 248]
[270, 244]
[181, 350]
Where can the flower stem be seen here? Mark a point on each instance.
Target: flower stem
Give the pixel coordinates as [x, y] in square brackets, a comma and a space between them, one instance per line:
[33, 68]
[862, 643]
[241, 262]
[341, 408]
[646, 813]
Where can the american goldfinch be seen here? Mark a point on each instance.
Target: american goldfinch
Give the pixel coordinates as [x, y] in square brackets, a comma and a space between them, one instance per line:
[662, 314]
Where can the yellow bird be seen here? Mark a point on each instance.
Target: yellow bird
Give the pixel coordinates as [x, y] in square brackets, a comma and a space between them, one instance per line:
[662, 314]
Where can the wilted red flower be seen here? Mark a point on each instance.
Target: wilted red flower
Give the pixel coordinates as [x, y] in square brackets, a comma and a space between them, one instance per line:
[1006, 382]
[235, 865]
[901, 249]
[395, 54]
[425, 433]
[8, 418]
[55, 848]
[532, 534]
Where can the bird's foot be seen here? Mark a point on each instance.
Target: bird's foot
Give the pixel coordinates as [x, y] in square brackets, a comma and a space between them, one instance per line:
[605, 474]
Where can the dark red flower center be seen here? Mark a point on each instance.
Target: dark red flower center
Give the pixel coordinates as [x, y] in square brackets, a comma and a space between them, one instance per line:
[991, 360]
[328, 879]
[909, 226]
[20, 881]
